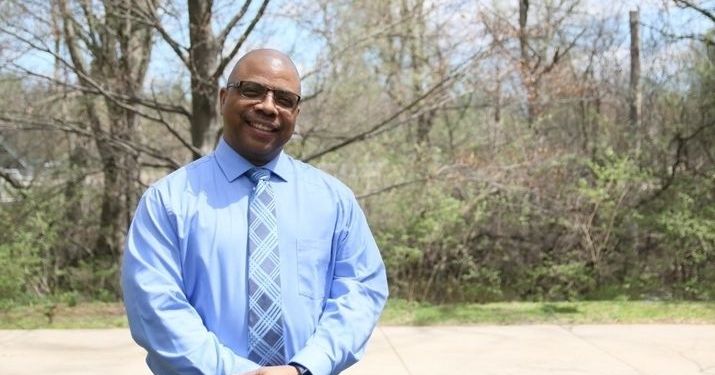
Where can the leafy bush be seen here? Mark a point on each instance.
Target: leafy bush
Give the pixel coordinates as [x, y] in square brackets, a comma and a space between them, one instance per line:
[25, 248]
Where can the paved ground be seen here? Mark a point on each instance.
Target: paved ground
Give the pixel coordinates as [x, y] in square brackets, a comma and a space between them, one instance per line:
[517, 350]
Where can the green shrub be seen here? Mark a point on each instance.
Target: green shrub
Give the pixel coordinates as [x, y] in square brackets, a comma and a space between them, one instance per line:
[558, 282]
[24, 266]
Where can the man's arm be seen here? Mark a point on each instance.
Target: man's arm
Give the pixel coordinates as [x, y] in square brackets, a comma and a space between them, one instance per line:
[161, 318]
[357, 296]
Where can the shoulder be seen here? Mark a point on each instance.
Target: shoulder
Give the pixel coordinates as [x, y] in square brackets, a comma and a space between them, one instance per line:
[185, 174]
[183, 181]
[315, 178]
[327, 195]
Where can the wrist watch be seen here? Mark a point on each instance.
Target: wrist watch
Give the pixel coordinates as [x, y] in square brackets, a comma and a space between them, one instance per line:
[301, 369]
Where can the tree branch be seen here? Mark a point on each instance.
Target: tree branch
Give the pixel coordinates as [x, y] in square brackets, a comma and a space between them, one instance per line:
[150, 18]
[695, 7]
[226, 59]
[398, 185]
[377, 127]
[221, 38]
[681, 141]
[17, 185]
[78, 69]
[71, 127]
[152, 104]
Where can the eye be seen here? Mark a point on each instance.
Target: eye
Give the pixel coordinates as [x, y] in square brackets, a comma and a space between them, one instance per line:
[284, 100]
[252, 90]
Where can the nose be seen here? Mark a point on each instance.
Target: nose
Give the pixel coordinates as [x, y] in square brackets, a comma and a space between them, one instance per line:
[267, 105]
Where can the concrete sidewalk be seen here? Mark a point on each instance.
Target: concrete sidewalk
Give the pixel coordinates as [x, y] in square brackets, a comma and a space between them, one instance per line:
[533, 350]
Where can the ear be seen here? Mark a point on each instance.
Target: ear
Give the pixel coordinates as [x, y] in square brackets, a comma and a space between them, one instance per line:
[222, 98]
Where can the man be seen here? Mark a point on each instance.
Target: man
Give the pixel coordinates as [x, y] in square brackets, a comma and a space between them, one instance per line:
[234, 269]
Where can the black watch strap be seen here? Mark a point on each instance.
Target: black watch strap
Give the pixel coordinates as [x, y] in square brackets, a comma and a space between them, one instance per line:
[301, 369]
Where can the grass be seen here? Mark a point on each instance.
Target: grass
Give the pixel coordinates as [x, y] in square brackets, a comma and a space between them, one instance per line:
[61, 315]
[586, 312]
[399, 312]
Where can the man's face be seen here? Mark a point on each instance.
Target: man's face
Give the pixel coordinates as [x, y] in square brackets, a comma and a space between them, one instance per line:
[258, 128]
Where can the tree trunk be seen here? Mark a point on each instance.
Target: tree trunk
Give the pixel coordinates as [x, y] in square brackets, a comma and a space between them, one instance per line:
[525, 64]
[70, 252]
[118, 58]
[204, 87]
[635, 96]
[121, 174]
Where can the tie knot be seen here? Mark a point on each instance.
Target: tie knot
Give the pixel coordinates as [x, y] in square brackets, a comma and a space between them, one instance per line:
[259, 174]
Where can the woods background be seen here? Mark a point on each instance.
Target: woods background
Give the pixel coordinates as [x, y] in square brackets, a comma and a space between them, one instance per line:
[502, 150]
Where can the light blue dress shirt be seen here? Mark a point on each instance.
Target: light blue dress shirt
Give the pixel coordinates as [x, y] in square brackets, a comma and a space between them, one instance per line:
[184, 268]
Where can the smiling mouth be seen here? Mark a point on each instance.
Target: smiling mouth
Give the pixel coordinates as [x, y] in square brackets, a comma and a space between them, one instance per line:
[263, 127]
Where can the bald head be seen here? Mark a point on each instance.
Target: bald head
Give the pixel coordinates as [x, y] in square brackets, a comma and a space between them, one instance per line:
[267, 60]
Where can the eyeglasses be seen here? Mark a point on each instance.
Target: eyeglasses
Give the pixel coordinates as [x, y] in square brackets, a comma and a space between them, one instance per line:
[256, 91]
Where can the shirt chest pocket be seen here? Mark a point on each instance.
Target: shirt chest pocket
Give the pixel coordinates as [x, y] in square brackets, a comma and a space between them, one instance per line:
[313, 257]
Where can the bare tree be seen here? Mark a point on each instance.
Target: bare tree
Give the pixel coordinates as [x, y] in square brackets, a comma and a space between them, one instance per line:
[397, 58]
[112, 49]
[101, 56]
[543, 44]
[206, 58]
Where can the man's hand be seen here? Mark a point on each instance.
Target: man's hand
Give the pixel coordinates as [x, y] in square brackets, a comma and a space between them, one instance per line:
[274, 370]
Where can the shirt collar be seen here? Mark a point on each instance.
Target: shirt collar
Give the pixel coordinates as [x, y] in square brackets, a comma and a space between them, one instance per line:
[233, 165]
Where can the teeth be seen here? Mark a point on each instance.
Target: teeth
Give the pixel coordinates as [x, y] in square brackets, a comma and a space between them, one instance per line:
[261, 127]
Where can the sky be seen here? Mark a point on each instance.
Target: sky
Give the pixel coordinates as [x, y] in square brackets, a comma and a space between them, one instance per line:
[279, 29]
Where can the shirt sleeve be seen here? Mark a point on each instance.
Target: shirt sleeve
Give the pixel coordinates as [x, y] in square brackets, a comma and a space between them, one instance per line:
[161, 319]
[357, 297]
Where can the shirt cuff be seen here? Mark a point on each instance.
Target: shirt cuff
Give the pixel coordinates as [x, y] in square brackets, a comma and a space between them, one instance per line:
[314, 359]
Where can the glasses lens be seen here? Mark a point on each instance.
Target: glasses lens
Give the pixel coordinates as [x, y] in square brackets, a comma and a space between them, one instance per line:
[252, 90]
[285, 99]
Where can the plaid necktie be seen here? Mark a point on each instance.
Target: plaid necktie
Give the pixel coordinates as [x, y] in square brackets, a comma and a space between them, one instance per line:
[265, 319]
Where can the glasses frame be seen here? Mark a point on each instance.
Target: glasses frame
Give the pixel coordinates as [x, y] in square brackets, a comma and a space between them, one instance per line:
[237, 85]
